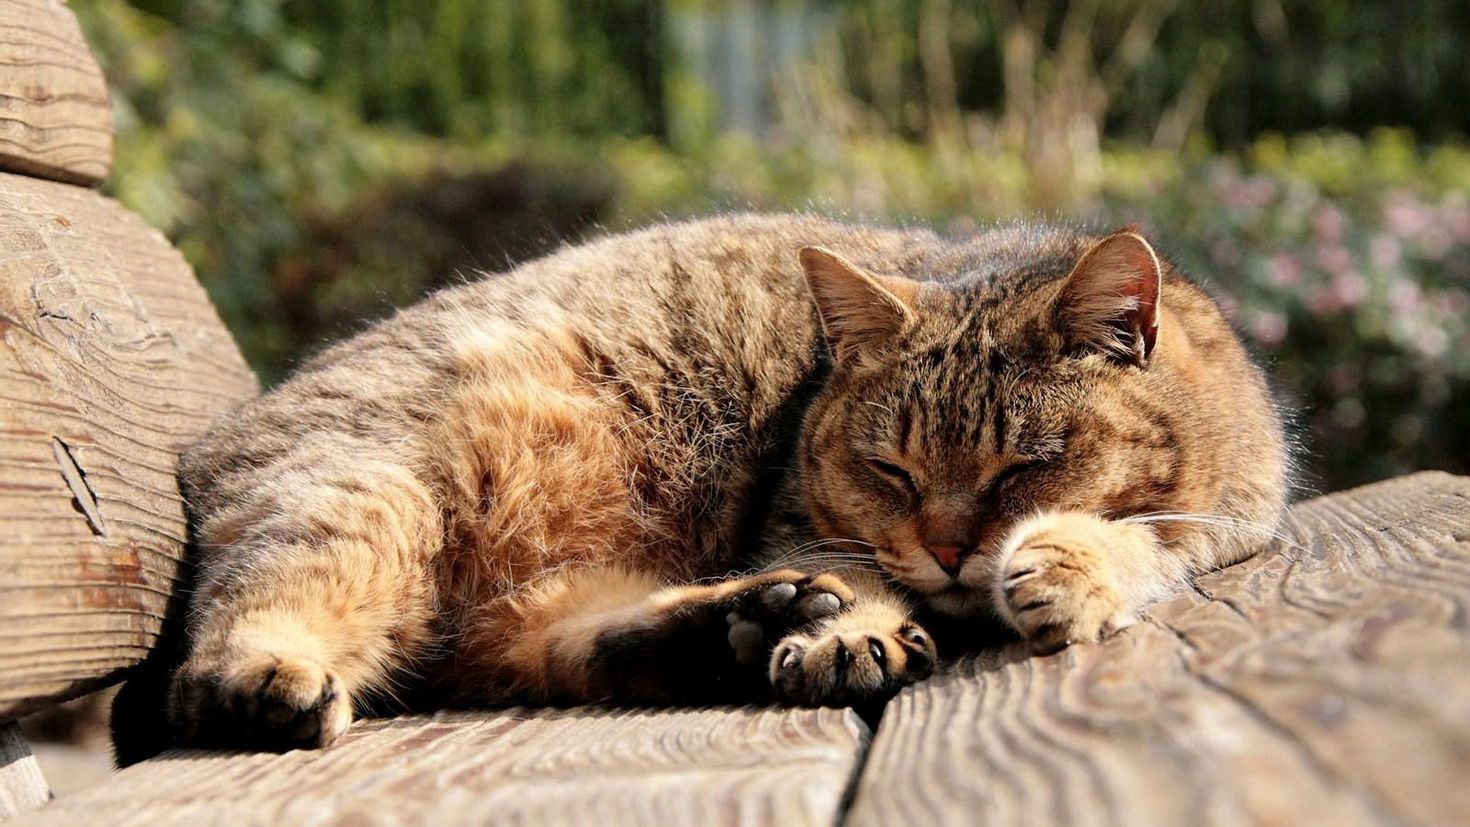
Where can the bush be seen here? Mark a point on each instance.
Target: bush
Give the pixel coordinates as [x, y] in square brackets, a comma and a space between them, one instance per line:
[1346, 261]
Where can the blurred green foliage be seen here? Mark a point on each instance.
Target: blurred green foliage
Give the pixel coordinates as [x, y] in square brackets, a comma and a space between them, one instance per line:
[320, 161]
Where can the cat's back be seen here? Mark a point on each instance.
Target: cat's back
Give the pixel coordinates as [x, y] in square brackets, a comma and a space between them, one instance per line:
[699, 273]
[710, 314]
[702, 326]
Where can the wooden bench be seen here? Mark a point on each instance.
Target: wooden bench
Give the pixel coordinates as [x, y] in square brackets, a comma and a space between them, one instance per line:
[1326, 681]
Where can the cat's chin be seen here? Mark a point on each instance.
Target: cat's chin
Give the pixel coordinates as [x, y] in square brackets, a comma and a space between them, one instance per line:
[960, 603]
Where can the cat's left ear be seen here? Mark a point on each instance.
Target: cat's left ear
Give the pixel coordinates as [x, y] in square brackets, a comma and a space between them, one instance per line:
[861, 313]
[1110, 302]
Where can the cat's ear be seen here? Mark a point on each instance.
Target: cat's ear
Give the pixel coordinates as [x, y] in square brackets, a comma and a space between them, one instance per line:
[1110, 302]
[860, 312]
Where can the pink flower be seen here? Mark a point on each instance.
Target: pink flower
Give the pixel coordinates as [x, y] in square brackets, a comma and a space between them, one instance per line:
[1455, 215]
[1261, 190]
[1270, 328]
[1404, 296]
[1455, 300]
[1406, 216]
[1334, 259]
[1432, 341]
[1350, 289]
[1321, 302]
[1285, 270]
[1327, 224]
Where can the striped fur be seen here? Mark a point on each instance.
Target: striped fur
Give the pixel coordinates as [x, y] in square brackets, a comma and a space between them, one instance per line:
[563, 483]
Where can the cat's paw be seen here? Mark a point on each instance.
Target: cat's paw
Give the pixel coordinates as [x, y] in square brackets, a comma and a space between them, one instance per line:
[767, 607]
[1057, 589]
[260, 700]
[855, 659]
[709, 643]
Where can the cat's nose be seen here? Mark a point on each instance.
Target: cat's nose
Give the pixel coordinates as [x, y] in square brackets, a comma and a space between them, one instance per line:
[948, 558]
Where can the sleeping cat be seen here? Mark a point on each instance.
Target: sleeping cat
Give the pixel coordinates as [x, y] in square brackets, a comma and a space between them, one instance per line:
[720, 461]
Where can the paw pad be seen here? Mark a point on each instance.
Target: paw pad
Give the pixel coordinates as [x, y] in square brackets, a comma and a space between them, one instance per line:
[768, 610]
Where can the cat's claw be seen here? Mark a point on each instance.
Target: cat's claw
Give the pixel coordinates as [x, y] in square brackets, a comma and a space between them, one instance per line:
[851, 662]
[1055, 601]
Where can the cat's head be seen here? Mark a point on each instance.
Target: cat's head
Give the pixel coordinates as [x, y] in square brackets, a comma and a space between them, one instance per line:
[1018, 382]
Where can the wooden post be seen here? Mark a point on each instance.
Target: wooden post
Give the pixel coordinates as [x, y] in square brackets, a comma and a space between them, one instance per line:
[55, 118]
[112, 360]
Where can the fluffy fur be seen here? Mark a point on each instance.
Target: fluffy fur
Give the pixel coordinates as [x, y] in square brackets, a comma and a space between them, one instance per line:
[722, 460]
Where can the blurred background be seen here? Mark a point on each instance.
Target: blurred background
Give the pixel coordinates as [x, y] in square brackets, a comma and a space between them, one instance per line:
[319, 161]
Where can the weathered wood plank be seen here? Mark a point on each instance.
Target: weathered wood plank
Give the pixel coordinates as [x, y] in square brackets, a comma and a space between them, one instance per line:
[575, 767]
[1320, 683]
[22, 788]
[55, 116]
[111, 360]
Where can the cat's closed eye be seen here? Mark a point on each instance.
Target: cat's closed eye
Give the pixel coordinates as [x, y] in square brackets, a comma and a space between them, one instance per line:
[894, 473]
[1012, 472]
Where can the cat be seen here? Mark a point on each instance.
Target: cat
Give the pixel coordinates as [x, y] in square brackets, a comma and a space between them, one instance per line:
[726, 460]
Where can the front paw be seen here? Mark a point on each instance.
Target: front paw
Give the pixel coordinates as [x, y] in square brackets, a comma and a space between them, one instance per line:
[1056, 593]
[856, 659]
[260, 700]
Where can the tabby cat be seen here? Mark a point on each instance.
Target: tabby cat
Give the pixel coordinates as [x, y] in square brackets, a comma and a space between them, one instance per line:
[725, 460]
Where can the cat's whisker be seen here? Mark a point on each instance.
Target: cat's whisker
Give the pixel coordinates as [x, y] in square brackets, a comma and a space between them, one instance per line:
[805, 548]
[1215, 520]
[820, 557]
[831, 568]
[833, 558]
[805, 563]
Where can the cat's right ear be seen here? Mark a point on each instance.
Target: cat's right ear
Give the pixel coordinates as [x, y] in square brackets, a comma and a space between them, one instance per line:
[861, 313]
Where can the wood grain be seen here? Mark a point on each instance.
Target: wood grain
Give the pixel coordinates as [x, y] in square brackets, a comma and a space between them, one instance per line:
[22, 788]
[111, 360]
[55, 116]
[574, 767]
[1326, 681]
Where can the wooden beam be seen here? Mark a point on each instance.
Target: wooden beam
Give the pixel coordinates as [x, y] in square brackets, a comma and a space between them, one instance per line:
[55, 116]
[111, 360]
[579, 766]
[22, 788]
[1326, 681]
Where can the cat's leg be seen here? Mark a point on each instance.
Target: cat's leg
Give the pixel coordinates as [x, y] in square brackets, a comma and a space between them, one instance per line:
[1071, 577]
[313, 590]
[609, 634]
[860, 656]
